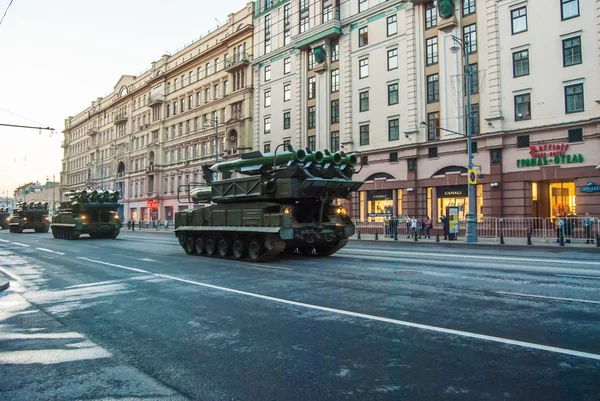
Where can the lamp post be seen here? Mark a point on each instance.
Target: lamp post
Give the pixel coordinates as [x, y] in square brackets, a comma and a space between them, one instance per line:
[215, 124]
[53, 197]
[465, 45]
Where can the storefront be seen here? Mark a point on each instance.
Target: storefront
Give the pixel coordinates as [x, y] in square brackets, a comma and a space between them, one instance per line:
[551, 199]
[458, 196]
[379, 204]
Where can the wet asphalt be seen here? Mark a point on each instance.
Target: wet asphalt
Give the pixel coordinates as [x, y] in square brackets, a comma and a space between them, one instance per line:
[373, 322]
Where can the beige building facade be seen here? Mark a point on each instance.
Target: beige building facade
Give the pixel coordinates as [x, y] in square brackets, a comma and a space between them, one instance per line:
[151, 135]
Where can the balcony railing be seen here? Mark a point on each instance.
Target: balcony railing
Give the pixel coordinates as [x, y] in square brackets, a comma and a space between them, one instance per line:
[237, 61]
[156, 99]
[121, 118]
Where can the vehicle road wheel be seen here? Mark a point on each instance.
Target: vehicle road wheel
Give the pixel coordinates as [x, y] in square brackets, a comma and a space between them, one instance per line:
[189, 245]
[255, 249]
[224, 247]
[199, 246]
[306, 250]
[181, 237]
[93, 235]
[210, 246]
[239, 248]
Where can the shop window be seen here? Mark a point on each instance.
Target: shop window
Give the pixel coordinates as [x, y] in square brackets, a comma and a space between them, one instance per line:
[523, 141]
[495, 156]
[399, 206]
[576, 135]
[433, 152]
[393, 157]
[411, 164]
[562, 198]
[429, 202]
[364, 160]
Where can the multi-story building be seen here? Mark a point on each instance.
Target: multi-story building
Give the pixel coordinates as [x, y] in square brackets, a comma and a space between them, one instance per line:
[379, 77]
[153, 132]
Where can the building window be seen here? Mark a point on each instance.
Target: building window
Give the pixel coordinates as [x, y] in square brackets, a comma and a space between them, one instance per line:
[215, 92]
[267, 73]
[335, 80]
[312, 143]
[394, 130]
[335, 141]
[433, 123]
[287, 92]
[335, 50]
[267, 125]
[495, 155]
[521, 63]
[311, 61]
[364, 160]
[267, 98]
[470, 34]
[206, 95]
[518, 19]
[569, 9]
[364, 135]
[475, 118]
[433, 88]
[287, 13]
[572, 51]
[473, 147]
[312, 87]
[468, 7]
[267, 47]
[432, 152]
[198, 73]
[363, 68]
[362, 5]
[473, 68]
[267, 148]
[364, 101]
[175, 108]
[432, 50]
[392, 25]
[574, 98]
[287, 65]
[392, 94]
[576, 135]
[168, 110]
[327, 13]
[267, 23]
[335, 111]
[287, 37]
[312, 117]
[304, 24]
[392, 59]
[523, 107]
[287, 120]
[363, 36]
[523, 141]
[430, 15]
[411, 164]
[175, 84]
[207, 70]
[393, 157]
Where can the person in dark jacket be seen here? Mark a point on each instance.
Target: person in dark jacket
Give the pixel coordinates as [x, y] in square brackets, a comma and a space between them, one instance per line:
[444, 221]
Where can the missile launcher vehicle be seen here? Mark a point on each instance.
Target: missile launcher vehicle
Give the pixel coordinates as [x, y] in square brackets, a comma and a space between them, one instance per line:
[30, 216]
[4, 217]
[282, 202]
[87, 212]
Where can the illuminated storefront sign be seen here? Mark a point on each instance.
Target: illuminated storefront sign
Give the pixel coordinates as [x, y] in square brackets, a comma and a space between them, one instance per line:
[545, 160]
[590, 186]
[454, 191]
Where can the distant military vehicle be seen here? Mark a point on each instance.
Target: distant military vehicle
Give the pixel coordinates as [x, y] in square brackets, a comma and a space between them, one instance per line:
[30, 215]
[87, 212]
[284, 202]
[4, 217]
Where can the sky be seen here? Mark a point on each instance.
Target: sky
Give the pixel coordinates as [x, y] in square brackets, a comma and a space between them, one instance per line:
[57, 56]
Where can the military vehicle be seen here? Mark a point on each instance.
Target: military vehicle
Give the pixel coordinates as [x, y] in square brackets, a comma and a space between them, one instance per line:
[87, 212]
[29, 215]
[4, 217]
[281, 202]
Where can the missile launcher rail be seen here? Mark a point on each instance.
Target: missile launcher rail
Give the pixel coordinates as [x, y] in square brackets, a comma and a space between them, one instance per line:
[87, 212]
[284, 202]
[29, 216]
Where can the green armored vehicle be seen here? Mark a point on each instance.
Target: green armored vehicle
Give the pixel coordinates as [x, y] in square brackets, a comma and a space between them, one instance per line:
[92, 213]
[284, 202]
[30, 216]
[4, 217]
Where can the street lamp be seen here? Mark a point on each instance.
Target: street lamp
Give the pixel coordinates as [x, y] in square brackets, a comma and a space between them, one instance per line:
[215, 123]
[465, 45]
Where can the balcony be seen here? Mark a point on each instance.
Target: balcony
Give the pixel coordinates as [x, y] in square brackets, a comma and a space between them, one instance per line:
[64, 144]
[121, 118]
[93, 131]
[240, 60]
[156, 99]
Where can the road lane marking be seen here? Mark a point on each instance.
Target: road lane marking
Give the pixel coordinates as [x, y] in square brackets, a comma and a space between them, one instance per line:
[49, 251]
[546, 297]
[12, 276]
[455, 255]
[572, 275]
[3, 240]
[426, 327]
[262, 265]
[18, 243]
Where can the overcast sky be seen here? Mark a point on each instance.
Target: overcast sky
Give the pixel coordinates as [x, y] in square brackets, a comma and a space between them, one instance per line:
[57, 56]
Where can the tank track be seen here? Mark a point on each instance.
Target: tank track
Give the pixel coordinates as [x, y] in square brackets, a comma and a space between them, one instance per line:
[71, 234]
[274, 248]
[330, 251]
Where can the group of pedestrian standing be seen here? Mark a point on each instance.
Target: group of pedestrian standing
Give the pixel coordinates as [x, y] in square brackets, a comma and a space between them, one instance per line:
[422, 227]
[565, 224]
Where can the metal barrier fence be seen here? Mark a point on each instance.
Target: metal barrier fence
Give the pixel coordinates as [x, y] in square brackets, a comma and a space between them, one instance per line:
[541, 229]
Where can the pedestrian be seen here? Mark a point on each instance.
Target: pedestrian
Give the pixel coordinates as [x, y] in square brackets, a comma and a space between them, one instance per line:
[559, 223]
[394, 225]
[428, 227]
[132, 225]
[588, 222]
[568, 227]
[128, 224]
[386, 227]
[157, 224]
[408, 226]
[422, 228]
[444, 221]
[166, 224]
[413, 223]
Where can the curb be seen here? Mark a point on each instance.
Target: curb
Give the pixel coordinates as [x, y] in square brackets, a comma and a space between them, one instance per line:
[483, 246]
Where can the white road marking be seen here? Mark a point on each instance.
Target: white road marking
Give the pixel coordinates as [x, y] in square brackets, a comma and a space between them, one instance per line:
[147, 259]
[455, 255]
[572, 275]
[3, 240]
[18, 243]
[49, 251]
[262, 265]
[369, 317]
[12, 276]
[516, 294]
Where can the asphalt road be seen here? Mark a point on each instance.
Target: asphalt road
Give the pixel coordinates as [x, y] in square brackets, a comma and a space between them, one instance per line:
[373, 322]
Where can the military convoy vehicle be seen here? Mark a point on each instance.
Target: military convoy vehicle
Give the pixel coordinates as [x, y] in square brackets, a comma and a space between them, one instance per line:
[87, 212]
[283, 202]
[4, 217]
[29, 215]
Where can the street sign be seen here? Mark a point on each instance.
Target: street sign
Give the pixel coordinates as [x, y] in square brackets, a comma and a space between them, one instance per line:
[472, 177]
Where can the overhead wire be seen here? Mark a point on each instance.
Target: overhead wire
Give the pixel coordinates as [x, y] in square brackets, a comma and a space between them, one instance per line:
[5, 11]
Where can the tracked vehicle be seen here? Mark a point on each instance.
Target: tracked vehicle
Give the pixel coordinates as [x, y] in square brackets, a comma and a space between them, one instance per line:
[92, 213]
[283, 202]
[29, 216]
[4, 217]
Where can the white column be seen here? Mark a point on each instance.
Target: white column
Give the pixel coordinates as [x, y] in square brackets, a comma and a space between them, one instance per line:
[321, 110]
